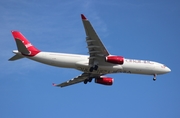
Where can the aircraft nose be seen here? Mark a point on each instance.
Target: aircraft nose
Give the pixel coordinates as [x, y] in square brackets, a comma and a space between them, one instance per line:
[168, 70]
[164, 69]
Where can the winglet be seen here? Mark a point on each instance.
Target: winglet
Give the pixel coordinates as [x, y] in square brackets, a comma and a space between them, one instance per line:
[83, 17]
[53, 84]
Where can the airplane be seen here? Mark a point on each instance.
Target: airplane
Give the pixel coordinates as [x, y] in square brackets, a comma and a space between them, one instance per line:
[95, 66]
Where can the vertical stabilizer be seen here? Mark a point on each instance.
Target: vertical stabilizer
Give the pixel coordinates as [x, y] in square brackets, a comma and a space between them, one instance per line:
[23, 45]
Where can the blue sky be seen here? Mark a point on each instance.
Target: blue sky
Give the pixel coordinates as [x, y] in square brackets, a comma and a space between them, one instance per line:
[137, 29]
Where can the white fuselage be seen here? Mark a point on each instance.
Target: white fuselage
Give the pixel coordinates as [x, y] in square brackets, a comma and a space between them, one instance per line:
[81, 62]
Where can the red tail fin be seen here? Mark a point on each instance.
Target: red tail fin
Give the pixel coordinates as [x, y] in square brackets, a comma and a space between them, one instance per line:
[26, 44]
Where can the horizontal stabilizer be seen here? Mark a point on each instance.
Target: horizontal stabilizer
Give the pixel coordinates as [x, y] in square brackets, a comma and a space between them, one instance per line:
[15, 57]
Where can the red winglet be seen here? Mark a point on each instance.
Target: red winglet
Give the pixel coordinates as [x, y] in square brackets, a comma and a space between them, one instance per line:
[53, 84]
[83, 17]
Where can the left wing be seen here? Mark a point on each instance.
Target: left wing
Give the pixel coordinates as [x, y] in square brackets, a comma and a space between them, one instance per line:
[94, 44]
[75, 80]
[78, 79]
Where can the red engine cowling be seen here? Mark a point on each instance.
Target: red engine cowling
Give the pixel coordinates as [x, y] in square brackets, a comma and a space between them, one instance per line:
[104, 80]
[115, 59]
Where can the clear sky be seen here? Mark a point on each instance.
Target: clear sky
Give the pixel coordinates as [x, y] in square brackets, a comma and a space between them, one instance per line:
[137, 29]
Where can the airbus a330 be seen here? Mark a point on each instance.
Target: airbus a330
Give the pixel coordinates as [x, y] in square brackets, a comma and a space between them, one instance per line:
[95, 66]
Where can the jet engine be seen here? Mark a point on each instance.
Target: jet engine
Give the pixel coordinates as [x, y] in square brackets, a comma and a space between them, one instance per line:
[115, 59]
[104, 80]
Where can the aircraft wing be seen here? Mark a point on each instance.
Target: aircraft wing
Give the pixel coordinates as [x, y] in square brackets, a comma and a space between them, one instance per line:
[94, 44]
[77, 79]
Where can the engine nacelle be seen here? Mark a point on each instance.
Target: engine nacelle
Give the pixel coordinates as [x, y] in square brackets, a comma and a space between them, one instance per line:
[115, 59]
[104, 80]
